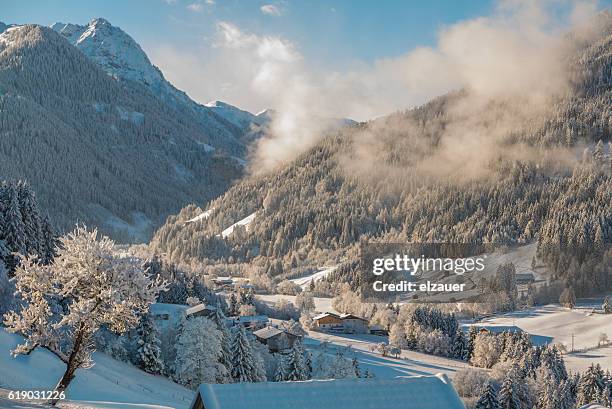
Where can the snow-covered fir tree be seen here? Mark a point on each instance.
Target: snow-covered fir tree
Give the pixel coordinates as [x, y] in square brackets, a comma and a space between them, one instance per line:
[469, 345]
[551, 358]
[198, 351]
[459, 345]
[590, 386]
[13, 230]
[98, 288]
[243, 362]
[509, 397]
[280, 374]
[488, 399]
[149, 346]
[295, 365]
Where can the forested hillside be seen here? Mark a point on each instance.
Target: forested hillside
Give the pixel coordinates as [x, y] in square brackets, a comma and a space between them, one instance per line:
[97, 149]
[122, 58]
[533, 175]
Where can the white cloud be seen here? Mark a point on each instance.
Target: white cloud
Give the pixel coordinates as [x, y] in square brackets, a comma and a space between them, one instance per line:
[195, 7]
[516, 51]
[210, 2]
[270, 9]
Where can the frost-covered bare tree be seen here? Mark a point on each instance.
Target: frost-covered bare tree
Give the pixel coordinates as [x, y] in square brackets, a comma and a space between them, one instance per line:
[94, 286]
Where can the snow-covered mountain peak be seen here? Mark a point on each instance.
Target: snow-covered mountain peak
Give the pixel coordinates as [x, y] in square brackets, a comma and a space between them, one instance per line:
[121, 57]
[113, 49]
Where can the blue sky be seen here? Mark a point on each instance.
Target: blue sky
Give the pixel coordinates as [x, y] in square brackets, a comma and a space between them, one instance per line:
[330, 30]
[352, 58]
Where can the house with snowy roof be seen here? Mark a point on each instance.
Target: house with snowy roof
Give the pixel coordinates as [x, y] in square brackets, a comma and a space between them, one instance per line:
[251, 322]
[277, 339]
[328, 321]
[410, 392]
[201, 310]
[354, 324]
[347, 323]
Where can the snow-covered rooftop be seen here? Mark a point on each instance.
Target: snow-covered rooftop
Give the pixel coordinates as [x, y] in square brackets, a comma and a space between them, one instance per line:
[416, 392]
[351, 317]
[267, 332]
[198, 308]
[325, 314]
[252, 318]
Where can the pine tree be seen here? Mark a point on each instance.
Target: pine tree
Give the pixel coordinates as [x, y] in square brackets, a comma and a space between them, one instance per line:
[508, 394]
[607, 306]
[149, 346]
[568, 298]
[31, 219]
[14, 233]
[590, 385]
[220, 320]
[280, 374]
[488, 399]
[469, 347]
[233, 305]
[48, 244]
[459, 345]
[243, 365]
[551, 359]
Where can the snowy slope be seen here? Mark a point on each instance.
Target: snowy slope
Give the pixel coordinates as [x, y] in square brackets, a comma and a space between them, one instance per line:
[240, 118]
[321, 304]
[244, 222]
[305, 281]
[109, 384]
[203, 215]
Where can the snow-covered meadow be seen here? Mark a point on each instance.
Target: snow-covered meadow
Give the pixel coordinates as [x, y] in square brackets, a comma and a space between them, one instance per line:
[562, 324]
[108, 384]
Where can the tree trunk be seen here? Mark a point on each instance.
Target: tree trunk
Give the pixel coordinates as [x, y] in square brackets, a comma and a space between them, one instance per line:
[62, 385]
[71, 366]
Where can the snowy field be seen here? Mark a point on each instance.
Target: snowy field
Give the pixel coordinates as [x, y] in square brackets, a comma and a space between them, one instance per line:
[321, 304]
[244, 222]
[109, 384]
[409, 362]
[305, 281]
[560, 324]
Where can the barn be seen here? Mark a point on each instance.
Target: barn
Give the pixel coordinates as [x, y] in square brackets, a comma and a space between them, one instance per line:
[412, 392]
